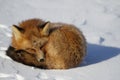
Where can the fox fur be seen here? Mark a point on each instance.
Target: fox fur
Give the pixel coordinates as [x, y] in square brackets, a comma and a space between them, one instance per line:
[30, 36]
[65, 48]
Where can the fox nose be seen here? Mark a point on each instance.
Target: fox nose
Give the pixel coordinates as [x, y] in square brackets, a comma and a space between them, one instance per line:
[42, 60]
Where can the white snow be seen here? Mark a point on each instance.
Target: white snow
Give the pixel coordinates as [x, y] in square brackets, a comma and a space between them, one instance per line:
[98, 19]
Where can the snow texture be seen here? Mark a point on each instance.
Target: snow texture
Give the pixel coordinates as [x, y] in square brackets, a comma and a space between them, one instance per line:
[99, 21]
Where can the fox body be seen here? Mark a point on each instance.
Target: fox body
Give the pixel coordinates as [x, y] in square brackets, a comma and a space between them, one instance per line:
[65, 47]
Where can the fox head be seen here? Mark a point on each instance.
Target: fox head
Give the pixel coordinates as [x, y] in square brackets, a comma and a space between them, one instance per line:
[29, 38]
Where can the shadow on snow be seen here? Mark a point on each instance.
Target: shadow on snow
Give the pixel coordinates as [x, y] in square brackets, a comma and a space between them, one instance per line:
[98, 53]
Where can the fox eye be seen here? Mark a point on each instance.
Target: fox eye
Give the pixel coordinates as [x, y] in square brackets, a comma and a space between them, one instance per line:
[34, 41]
[30, 50]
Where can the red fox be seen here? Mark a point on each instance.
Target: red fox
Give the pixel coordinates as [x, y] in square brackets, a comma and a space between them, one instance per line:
[30, 37]
[64, 48]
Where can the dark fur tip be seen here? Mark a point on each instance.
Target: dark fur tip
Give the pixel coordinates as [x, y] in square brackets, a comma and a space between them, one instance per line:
[43, 25]
[10, 50]
[19, 28]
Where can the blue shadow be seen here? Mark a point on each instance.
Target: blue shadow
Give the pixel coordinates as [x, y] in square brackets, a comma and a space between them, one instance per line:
[99, 53]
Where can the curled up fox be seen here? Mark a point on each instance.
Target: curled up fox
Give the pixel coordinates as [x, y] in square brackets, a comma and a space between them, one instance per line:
[47, 45]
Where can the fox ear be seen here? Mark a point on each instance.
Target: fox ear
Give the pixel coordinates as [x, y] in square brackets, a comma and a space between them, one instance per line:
[17, 32]
[46, 29]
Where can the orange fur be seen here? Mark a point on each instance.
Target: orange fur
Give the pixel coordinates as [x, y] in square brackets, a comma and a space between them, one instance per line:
[65, 48]
[31, 38]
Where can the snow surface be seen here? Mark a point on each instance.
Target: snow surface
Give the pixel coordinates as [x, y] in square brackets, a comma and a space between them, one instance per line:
[98, 19]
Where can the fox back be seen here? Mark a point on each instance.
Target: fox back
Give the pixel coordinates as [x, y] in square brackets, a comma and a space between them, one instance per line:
[66, 47]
